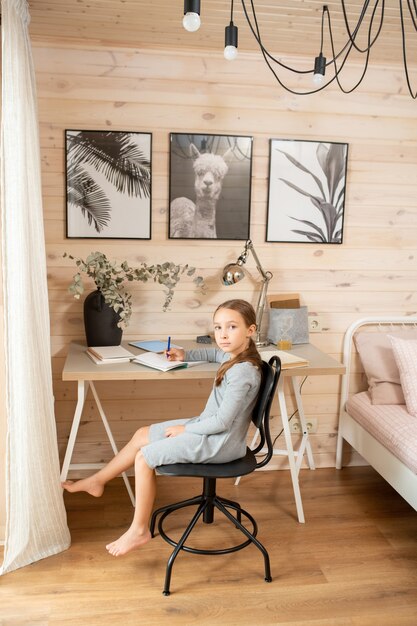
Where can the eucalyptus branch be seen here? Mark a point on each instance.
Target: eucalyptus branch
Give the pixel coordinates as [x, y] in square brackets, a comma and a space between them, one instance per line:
[111, 278]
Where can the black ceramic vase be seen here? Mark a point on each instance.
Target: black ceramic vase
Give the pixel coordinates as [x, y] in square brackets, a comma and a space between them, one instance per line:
[100, 322]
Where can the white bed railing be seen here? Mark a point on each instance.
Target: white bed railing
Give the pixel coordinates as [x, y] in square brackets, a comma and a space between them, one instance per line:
[394, 471]
[347, 345]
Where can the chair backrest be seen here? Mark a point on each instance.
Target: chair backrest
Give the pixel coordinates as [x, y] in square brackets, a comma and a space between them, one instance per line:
[260, 417]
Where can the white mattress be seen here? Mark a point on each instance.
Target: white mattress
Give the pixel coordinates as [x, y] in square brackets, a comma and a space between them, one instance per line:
[390, 424]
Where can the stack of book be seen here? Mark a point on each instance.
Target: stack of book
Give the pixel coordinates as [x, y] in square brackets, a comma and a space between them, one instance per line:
[109, 355]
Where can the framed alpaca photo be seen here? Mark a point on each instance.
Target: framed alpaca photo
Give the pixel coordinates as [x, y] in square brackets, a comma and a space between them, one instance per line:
[108, 181]
[210, 186]
[306, 199]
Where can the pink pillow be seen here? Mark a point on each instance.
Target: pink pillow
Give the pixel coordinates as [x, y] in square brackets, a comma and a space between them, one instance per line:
[405, 353]
[377, 357]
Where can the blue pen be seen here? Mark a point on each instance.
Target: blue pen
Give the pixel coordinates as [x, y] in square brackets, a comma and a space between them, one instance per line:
[168, 347]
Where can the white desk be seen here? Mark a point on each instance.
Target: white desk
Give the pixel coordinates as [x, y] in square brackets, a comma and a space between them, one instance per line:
[81, 369]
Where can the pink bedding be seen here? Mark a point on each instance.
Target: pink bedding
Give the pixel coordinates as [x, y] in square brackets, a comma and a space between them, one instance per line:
[390, 424]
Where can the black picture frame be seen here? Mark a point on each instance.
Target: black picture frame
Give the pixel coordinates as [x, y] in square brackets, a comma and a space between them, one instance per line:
[108, 184]
[210, 186]
[306, 192]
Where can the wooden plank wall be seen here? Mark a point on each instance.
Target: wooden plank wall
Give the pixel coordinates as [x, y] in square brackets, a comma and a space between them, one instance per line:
[374, 271]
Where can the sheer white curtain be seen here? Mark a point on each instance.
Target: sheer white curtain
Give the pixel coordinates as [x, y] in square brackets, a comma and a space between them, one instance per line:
[36, 520]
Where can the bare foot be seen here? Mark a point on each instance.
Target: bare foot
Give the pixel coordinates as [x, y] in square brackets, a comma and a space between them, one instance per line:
[131, 540]
[90, 485]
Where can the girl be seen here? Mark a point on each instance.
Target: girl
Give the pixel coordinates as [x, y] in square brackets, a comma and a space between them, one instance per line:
[218, 435]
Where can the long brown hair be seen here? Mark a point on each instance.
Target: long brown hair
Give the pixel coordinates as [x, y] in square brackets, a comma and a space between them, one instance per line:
[251, 353]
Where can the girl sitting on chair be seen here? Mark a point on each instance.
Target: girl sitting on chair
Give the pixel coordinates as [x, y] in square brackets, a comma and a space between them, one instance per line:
[217, 435]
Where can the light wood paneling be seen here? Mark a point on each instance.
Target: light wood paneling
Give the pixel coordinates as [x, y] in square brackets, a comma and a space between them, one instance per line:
[374, 270]
[287, 28]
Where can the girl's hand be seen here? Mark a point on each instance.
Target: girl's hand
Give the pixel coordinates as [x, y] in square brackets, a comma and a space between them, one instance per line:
[174, 431]
[175, 354]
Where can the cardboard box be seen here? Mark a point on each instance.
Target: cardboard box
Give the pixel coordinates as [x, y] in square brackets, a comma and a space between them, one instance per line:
[284, 301]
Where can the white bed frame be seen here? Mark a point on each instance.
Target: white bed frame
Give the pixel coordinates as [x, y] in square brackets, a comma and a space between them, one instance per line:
[398, 475]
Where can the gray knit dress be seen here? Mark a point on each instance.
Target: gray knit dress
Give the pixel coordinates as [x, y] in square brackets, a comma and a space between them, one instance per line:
[218, 435]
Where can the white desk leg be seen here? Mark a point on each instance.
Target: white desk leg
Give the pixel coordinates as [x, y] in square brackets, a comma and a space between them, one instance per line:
[290, 449]
[296, 387]
[339, 446]
[111, 439]
[82, 393]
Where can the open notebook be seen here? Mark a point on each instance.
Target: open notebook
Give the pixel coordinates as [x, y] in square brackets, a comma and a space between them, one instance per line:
[160, 362]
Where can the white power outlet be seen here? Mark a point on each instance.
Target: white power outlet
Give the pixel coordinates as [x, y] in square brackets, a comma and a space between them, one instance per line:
[314, 323]
[311, 423]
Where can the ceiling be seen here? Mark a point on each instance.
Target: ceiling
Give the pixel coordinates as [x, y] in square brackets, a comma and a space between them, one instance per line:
[288, 27]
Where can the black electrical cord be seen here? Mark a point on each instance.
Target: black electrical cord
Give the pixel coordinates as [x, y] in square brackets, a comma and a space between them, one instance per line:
[363, 12]
[266, 54]
[404, 47]
[289, 419]
[277, 61]
[345, 50]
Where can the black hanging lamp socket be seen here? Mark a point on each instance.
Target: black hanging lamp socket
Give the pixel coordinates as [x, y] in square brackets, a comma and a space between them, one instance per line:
[319, 68]
[191, 6]
[230, 41]
[230, 35]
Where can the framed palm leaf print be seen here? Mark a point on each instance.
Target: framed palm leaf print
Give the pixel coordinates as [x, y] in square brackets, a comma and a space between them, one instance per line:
[108, 180]
[306, 199]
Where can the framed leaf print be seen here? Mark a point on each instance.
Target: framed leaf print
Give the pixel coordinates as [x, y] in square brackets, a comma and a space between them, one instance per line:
[306, 199]
[108, 180]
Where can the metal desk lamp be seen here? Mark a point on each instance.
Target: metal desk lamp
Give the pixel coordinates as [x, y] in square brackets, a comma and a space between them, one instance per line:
[234, 272]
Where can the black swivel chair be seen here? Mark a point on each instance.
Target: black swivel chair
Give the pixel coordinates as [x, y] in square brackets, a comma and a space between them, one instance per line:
[209, 500]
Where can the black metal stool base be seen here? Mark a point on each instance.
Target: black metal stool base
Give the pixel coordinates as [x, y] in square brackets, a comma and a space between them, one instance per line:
[206, 503]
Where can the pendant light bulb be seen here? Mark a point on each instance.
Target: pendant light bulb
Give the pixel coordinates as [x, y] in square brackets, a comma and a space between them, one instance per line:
[230, 53]
[191, 20]
[318, 79]
[230, 42]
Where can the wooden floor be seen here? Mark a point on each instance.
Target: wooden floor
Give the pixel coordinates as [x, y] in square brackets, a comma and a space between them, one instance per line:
[354, 561]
